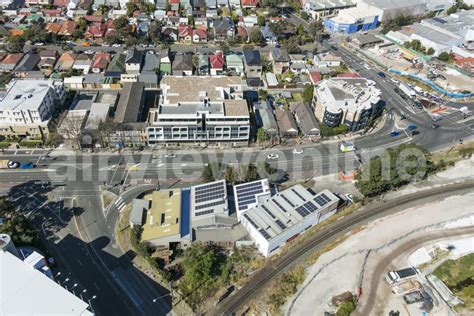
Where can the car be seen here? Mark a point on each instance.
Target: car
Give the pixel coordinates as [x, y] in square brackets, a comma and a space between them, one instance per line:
[415, 132]
[89, 52]
[394, 133]
[402, 116]
[346, 147]
[116, 45]
[28, 165]
[434, 126]
[39, 44]
[381, 74]
[394, 80]
[366, 66]
[412, 127]
[170, 156]
[397, 90]
[48, 158]
[297, 151]
[42, 183]
[437, 117]
[272, 156]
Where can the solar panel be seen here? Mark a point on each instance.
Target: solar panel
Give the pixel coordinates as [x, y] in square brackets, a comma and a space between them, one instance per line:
[279, 205]
[251, 221]
[268, 211]
[287, 200]
[302, 211]
[207, 205]
[297, 194]
[310, 206]
[265, 234]
[324, 196]
[320, 200]
[245, 194]
[280, 224]
[204, 212]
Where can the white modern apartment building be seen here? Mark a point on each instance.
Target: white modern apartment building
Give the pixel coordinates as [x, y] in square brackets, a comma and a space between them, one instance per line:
[350, 101]
[26, 107]
[287, 215]
[199, 109]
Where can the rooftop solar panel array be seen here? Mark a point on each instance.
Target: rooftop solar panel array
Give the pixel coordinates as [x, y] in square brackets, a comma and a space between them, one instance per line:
[265, 234]
[298, 194]
[209, 192]
[246, 194]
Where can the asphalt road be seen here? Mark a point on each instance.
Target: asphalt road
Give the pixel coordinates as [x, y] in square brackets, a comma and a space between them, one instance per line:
[299, 252]
[106, 269]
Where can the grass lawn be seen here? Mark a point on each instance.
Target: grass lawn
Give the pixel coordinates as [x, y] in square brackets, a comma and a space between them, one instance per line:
[458, 275]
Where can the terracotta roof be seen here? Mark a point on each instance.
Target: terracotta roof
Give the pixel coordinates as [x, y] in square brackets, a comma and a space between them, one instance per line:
[315, 77]
[13, 59]
[94, 18]
[185, 30]
[252, 3]
[67, 28]
[60, 3]
[53, 27]
[96, 30]
[200, 32]
[16, 32]
[101, 61]
[217, 61]
[241, 31]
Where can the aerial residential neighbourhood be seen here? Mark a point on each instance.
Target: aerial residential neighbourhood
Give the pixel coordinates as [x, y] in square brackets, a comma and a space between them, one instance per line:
[236, 157]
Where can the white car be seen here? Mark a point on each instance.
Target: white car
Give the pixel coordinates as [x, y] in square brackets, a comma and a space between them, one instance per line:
[39, 44]
[170, 156]
[297, 151]
[89, 52]
[116, 45]
[366, 66]
[394, 80]
[272, 156]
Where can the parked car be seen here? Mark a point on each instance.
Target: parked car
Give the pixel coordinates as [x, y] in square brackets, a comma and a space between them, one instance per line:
[28, 165]
[412, 127]
[415, 132]
[434, 126]
[402, 116]
[297, 151]
[381, 74]
[48, 158]
[170, 156]
[395, 133]
[272, 156]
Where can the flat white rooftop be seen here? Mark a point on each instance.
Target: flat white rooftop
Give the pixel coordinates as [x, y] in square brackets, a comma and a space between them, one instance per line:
[26, 291]
[25, 95]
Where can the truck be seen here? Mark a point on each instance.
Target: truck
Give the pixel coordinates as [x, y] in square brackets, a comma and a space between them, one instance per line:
[407, 90]
[8, 164]
[397, 276]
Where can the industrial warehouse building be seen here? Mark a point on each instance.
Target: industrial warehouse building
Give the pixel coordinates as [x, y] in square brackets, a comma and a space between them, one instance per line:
[286, 215]
[250, 194]
[349, 101]
[368, 13]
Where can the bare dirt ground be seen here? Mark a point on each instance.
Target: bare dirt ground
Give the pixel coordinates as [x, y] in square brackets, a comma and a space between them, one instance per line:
[339, 270]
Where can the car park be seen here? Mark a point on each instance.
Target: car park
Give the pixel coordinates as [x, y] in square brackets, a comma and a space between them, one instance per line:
[272, 156]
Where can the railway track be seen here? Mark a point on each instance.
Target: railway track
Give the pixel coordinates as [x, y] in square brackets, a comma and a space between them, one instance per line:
[232, 304]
